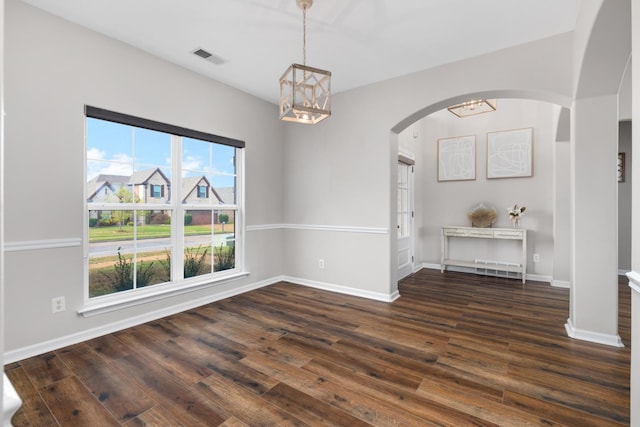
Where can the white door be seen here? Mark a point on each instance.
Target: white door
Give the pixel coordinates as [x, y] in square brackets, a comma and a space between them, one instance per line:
[405, 219]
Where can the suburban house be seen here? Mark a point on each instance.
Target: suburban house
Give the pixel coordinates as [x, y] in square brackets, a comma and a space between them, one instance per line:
[197, 189]
[146, 186]
[351, 206]
[153, 186]
[104, 187]
[150, 186]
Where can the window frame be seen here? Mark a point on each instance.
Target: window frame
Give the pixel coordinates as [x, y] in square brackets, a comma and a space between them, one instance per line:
[117, 300]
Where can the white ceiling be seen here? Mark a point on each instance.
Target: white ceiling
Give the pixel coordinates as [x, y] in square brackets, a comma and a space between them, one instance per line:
[359, 41]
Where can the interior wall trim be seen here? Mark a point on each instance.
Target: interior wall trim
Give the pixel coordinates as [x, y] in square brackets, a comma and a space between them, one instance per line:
[64, 341]
[634, 280]
[560, 283]
[337, 228]
[592, 336]
[57, 343]
[377, 296]
[32, 245]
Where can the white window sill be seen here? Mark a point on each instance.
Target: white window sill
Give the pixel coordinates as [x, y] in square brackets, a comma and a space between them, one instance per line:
[128, 299]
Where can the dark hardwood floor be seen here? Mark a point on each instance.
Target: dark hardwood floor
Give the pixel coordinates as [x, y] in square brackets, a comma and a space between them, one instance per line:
[454, 350]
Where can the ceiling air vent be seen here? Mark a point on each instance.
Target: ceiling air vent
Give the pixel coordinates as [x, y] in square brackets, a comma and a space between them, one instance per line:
[209, 56]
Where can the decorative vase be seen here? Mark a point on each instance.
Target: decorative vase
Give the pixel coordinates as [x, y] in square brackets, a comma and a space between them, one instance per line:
[515, 220]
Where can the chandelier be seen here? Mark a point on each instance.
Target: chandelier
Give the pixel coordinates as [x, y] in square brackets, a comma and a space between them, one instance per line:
[476, 106]
[305, 92]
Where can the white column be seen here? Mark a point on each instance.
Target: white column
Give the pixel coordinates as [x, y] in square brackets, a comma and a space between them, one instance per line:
[594, 289]
[561, 216]
[634, 276]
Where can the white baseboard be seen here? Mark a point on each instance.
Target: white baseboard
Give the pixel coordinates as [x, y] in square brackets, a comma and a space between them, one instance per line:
[377, 296]
[591, 336]
[57, 343]
[561, 284]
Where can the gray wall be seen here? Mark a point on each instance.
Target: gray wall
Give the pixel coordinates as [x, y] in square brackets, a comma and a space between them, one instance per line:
[326, 191]
[447, 203]
[53, 68]
[342, 172]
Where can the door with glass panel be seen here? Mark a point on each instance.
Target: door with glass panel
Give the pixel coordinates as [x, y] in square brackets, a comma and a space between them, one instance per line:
[405, 219]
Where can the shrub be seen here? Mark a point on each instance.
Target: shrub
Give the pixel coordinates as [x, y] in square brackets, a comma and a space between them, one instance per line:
[122, 275]
[106, 222]
[159, 218]
[188, 218]
[194, 262]
[93, 222]
[224, 257]
[166, 266]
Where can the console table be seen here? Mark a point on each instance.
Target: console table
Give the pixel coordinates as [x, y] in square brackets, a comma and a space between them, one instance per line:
[483, 233]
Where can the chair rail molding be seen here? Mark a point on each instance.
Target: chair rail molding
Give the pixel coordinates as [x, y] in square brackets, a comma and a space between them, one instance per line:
[314, 227]
[32, 245]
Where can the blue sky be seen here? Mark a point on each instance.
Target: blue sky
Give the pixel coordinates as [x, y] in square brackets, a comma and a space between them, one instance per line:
[117, 149]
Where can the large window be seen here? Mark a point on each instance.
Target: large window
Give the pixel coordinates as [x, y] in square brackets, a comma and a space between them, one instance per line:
[148, 223]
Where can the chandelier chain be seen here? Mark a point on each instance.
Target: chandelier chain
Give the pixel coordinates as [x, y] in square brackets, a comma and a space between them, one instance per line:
[304, 35]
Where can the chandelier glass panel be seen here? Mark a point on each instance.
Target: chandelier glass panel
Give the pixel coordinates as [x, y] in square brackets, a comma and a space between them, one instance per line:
[305, 92]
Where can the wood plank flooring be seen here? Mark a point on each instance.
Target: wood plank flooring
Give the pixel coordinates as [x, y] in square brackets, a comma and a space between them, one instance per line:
[454, 350]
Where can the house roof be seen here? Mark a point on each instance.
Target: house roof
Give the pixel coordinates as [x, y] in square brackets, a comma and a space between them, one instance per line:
[226, 195]
[143, 176]
[113, 179]
[98, 182]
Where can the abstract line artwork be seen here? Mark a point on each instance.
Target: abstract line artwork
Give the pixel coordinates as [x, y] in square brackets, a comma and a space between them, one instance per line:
[457, 158]
[510, 153]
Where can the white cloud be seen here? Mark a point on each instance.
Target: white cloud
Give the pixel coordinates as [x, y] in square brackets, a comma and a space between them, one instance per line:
[95, 154]
[191, 163]
[119, 164]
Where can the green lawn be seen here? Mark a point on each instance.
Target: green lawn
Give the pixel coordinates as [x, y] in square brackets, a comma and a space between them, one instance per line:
[115, 233]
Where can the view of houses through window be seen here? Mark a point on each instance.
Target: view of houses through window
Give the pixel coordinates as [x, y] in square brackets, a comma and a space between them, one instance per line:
[162, 208]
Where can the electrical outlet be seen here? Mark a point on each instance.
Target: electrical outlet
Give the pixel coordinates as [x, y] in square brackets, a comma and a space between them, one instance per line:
[57, 304]
[536, 257]
[320, 263]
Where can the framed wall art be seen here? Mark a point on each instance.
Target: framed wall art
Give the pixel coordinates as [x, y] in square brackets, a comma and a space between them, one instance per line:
[457, 158]
[510, 153]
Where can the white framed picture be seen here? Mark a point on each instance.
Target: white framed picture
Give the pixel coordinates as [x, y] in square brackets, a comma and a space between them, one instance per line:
[510, 153]
[457, 158]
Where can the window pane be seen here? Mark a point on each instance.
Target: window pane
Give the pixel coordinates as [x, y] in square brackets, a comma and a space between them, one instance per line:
[196, 156]
[198, 236]
[109, 159]
[196, 189]
[214, 164]
[224, 240]
[123, 271]
[403, 224]
[128, 250]
[150, 186]
[224, 189]
[209, 233]
[106, 181]
[108, 141]
[223, 159]
[152, 148]
[197, 260]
